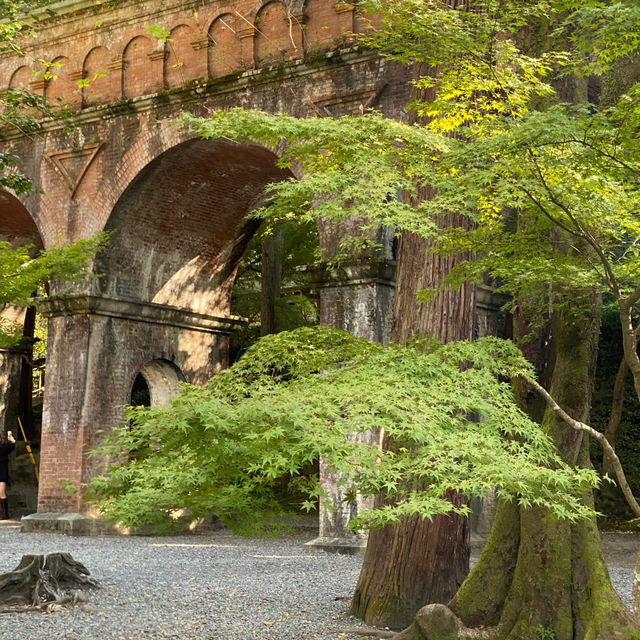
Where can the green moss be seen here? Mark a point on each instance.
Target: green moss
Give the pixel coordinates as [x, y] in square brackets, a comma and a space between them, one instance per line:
[482, 595]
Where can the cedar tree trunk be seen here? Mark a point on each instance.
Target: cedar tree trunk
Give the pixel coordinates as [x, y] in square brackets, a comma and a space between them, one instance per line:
[418, 561]
[539, 577]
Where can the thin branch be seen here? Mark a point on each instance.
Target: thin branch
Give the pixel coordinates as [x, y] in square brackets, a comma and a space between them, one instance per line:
[606, 446]
[622, 163]
[632, 298]
[616, 407]
[613, 283]
[551, 217]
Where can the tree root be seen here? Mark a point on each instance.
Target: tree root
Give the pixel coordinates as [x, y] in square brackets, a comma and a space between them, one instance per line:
[370, 633]
[438, 622]
[44, 583]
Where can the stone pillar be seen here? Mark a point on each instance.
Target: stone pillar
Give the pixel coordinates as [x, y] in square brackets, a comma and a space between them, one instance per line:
[357, 298]
[96, 348]
[10, 379]
[490, 321]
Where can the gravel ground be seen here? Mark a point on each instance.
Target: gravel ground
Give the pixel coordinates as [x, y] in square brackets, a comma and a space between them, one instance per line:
[211, 587]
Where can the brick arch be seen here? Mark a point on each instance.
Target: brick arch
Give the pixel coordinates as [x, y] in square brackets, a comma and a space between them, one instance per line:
[184, 59]
[61, 88]
[140, 76]
[162, 377]
[102, 85]
[154, 140]
[224, 50]
[21, 78]
[17, 225]
[276, 40]
[179, 229]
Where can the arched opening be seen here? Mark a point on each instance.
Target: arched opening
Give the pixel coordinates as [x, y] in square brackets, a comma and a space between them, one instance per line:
[21, 78]
[180, 228]
[60, 88]
[140, 392]
[20, 402]
[137, 79]
[183, 63]
[224, 50]
[156, 384]
[274, 42]
[96, 71]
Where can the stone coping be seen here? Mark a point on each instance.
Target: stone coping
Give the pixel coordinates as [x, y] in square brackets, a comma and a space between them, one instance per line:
[359, 273]
[72, 524]
[139, 311]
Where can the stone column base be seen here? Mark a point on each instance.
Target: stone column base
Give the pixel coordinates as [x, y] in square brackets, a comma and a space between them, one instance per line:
[346, 546]
[71, 524]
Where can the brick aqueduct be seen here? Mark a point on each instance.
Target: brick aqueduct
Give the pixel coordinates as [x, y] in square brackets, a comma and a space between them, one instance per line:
[175, 204]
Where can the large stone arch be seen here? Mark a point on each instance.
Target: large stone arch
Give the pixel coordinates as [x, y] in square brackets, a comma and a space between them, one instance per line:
[178, 230]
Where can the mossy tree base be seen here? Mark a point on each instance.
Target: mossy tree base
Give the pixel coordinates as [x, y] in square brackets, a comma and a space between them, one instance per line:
[550, 582]
[396, 580]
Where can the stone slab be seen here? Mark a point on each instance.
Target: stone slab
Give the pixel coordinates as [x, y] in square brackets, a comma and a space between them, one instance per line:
[346, 546]
[72, 524]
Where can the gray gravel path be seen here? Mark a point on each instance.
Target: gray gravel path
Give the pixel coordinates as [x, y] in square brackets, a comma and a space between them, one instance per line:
[207, 587]
[211, 587]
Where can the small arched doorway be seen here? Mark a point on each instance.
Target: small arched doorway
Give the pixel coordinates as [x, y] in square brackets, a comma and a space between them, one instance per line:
[156, 384]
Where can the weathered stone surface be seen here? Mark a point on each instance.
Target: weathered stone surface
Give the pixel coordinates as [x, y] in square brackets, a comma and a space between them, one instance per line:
[176, 205]
[71, 524]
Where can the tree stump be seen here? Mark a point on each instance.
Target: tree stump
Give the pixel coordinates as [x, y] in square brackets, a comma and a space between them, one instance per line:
[42, 583]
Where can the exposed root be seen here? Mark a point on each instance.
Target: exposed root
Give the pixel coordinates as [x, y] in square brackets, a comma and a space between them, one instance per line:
[45, 584]
[369, 633]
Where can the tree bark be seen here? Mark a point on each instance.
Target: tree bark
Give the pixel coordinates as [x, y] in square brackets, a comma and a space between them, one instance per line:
[539, 577]
[271, 282]
[41, 581]
[418, 561]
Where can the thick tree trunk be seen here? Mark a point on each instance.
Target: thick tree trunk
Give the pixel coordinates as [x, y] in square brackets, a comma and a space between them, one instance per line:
[418, 561]
[539, 577]
[39, 582]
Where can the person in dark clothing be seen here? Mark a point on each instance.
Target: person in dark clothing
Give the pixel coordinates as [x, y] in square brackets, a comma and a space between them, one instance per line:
[5, 449]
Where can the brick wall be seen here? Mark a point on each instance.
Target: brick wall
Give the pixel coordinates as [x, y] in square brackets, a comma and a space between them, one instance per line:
[205, 41]
[176, 205]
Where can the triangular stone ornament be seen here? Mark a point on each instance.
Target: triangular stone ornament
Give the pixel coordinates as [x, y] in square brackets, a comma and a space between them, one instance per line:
[352, 103]
[72, 164]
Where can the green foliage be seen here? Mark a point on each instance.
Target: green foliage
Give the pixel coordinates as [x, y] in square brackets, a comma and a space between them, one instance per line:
[545, 633]
[23, 275]
[507, 139]
[296, 396]
[569, 170]
[159, 32]
[299, 248]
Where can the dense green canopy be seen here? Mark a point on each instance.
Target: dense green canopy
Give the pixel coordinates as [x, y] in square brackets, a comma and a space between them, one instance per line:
[295, 396]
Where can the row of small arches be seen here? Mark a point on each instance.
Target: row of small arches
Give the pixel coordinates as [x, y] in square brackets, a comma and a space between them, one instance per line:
[147, 64]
